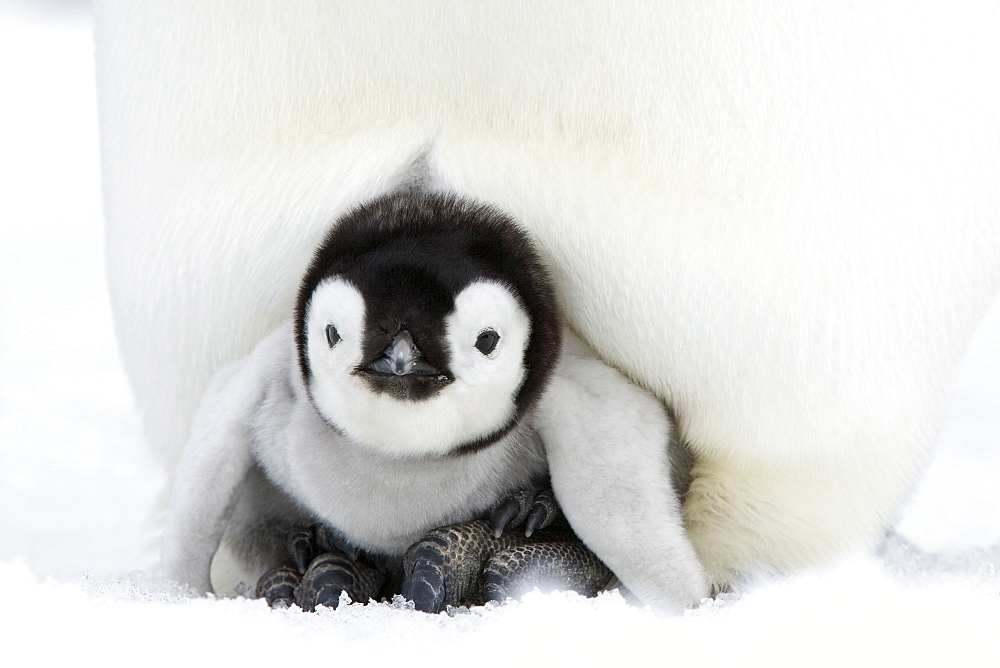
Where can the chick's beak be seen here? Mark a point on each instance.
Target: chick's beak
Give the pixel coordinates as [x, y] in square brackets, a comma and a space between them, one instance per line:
[402, 358]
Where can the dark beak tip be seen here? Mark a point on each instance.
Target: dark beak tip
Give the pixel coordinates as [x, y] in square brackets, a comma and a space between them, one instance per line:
[402, 358]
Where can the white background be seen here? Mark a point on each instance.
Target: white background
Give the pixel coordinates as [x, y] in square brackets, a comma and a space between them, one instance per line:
[77, 489]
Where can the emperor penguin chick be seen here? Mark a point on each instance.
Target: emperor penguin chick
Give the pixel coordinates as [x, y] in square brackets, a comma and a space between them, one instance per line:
[398, 400]
[422, 373]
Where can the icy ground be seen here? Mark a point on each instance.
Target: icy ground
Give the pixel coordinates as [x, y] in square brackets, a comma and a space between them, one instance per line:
[77, 570]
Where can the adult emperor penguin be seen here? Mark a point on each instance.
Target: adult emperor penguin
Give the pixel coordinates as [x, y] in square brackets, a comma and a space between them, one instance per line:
[415, 388]
[779, 217]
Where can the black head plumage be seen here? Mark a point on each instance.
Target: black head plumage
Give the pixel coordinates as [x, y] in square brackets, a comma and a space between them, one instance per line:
[410, 254]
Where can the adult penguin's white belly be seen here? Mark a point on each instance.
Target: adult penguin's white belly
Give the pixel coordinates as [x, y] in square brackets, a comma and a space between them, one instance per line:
[781, 219]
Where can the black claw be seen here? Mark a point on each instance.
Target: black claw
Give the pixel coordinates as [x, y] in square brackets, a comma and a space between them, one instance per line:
[425, 587]
[277, 586]
[328, 596]
[328, 575]
[301, 545]
[493, 591]
[504, 515]
[536, 518]
[334, 573]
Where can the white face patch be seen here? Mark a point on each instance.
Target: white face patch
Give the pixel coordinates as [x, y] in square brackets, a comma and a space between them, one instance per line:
[487, 306]
[479, 400]
[334, 302]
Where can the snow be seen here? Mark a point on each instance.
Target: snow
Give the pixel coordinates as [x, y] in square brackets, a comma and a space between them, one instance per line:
[78, 567]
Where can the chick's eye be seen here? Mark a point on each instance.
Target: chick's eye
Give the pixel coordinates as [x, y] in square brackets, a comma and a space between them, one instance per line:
[331, 335]
[487, 341]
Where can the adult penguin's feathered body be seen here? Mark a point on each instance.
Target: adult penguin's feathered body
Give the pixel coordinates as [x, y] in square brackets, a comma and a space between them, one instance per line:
[781, 218]
[411, 391]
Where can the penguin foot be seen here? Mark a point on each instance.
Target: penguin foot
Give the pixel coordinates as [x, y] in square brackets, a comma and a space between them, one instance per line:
[278, 586]
[424, 582]
[327, 576]
[322, 571]
[332, 574]
[515, 571]
[532, 509]
[459, 565]
[468, 564]
[444, 568]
